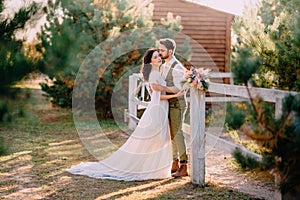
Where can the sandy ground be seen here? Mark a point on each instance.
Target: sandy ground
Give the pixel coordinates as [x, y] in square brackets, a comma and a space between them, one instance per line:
[220, 170]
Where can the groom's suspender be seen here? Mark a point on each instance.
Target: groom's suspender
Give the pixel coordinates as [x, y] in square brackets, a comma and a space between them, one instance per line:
[169, 78]
[173, 102]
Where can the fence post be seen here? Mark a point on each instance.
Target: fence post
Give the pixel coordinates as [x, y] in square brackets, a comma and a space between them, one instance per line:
[197, 120]
[278, 108]
[132, 107]
[278, 113]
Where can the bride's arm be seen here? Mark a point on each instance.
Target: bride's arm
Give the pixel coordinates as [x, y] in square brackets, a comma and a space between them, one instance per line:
[157, 81]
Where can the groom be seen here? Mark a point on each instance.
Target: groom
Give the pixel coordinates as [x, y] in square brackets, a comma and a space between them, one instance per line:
[172, 70]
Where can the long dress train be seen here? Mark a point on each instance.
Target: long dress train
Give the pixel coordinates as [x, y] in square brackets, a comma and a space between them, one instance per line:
[147, 153]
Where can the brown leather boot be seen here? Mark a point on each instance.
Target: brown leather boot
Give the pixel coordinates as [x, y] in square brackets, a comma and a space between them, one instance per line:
[175, 166]
[182, 171]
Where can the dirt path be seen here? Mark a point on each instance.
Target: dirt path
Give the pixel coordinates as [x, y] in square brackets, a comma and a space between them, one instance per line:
[221, 170]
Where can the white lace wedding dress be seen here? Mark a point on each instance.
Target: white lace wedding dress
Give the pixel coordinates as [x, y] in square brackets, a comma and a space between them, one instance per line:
[147, 153]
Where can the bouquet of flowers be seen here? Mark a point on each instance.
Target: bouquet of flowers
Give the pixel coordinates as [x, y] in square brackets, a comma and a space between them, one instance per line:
[197, 78]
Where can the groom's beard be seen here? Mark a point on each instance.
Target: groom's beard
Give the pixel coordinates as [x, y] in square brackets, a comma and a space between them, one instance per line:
[164, 57]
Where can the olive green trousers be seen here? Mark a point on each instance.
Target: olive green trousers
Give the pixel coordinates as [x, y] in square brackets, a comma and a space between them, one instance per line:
[175, 121]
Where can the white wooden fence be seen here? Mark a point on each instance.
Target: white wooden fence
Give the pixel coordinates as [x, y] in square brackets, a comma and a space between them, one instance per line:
[196, 128]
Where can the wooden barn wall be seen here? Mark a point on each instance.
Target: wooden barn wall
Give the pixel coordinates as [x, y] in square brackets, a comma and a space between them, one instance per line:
[208, 27]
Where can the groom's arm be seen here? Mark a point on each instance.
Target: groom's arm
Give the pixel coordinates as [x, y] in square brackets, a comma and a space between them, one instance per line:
[177, 78]
[162, 88]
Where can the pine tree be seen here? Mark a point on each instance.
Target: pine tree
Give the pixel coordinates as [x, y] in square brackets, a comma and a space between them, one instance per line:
[268, 43]
[69, 39]
[272, 32]
[14, 64]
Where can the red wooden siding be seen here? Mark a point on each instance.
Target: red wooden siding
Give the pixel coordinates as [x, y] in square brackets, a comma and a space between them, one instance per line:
[208, 27]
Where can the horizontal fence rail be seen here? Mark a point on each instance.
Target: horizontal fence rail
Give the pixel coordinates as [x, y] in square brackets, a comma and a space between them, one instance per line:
[196, 128]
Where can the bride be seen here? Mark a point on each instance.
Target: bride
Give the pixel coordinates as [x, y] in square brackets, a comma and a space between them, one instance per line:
[147, 153]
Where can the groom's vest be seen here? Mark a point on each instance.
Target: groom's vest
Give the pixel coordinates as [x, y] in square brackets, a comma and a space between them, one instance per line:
[174, 102]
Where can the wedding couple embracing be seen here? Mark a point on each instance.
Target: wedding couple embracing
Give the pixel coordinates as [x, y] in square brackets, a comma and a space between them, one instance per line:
[156, 149]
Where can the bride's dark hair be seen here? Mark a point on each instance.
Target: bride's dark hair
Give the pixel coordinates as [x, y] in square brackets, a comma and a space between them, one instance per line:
[146, 66]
